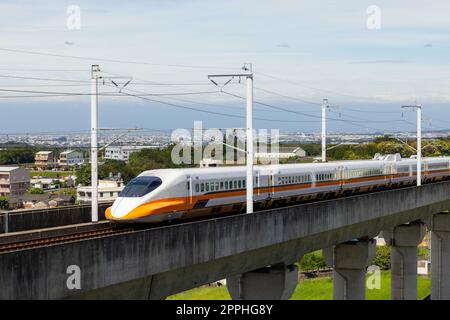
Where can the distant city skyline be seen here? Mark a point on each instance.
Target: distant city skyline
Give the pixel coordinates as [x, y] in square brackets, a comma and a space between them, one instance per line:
[301, 52]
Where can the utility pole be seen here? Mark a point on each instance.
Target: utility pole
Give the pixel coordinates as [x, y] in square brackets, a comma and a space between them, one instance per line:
[94, 144]
[419, 141]
[249, 128]
[324, 108]
[250, 152]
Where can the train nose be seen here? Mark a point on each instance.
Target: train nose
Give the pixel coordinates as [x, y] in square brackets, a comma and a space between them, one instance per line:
[122, 206]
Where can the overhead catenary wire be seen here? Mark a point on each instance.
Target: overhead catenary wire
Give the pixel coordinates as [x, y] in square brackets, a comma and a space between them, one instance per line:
[41, 94]
[208, 111]
[203, 103]
[29, 52]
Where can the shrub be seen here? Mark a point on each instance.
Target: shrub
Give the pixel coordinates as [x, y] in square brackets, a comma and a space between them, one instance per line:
[383, 257]
[312, 261]
[4, 203]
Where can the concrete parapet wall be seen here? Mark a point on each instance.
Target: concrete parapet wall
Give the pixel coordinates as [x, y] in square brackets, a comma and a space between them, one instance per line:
[20, 220]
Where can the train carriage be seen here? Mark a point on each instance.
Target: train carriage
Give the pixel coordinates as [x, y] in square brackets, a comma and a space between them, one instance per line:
[168, 194]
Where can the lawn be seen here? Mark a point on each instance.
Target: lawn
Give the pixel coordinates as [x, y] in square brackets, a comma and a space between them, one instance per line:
[51, 174]
[311, 289]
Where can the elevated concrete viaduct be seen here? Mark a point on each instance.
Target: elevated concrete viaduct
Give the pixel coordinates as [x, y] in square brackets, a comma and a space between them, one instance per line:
[155, 263]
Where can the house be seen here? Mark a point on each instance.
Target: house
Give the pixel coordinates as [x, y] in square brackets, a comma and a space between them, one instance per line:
[122, 153]
[71, 158]
[34, 201]
[45, 160]
[14, 181]
[108, 190]
[206, 163]
[270, 153]
[43, 183]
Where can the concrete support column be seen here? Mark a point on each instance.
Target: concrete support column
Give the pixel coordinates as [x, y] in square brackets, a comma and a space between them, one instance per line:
[404, 240]
[440, 256]
[349, 261]
[276, 282]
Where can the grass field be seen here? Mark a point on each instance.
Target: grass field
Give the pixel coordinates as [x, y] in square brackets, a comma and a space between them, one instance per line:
[51, 174]
[311, 289]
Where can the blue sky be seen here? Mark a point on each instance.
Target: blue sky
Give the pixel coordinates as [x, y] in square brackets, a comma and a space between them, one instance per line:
[320, 48]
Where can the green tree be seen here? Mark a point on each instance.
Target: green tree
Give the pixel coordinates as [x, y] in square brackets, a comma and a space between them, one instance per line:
[36, 191]
[83, 175]
[383, 257]
[4, 203]
[115, 167]
[149, 159]
[17, 155]
[312, 261]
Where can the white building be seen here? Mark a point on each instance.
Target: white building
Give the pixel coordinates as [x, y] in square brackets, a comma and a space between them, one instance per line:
[14, 181]
[282, 153]
[122, 153]
[108, 190]
[71, 158]
[43, 183]
[206, 163]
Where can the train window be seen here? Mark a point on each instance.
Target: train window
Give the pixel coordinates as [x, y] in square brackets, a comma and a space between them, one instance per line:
[240, 184]
[197, 188]
[202, 187]
[217, 186]
[221, 185]
[140, 186]
[212, 186]
[226, 185]
[188, 185]
[207, 187]
[243, 183]
[235, 184]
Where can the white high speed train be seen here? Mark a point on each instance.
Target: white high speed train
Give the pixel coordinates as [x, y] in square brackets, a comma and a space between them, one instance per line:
[167, 194]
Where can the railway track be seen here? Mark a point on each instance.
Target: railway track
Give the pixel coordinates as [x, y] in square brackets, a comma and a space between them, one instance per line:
[65, 238]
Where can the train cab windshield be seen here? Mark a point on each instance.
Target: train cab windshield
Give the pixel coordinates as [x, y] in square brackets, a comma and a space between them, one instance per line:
[140, 186]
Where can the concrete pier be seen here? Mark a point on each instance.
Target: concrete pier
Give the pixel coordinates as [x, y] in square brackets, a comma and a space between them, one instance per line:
[440, 256]
[276, 282]
[349, 261]
[404, 240]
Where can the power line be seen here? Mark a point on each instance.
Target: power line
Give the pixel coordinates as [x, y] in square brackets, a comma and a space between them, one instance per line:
[289, 97]
[208, 111]
[200, 103]
[311, 87]
[43, 79]
[112, 60]
[53, 93]
[351, 122]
